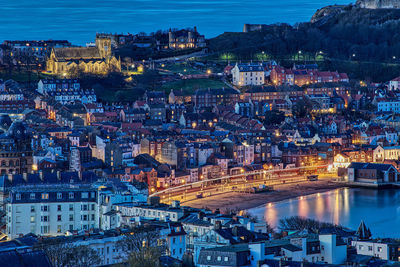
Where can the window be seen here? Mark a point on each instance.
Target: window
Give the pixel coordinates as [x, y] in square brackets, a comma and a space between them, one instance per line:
[44, 218]
[219, 258]
[44, 229]
[58, 207]
[32, 219]
[225, 258]
[208, 258]
[380, 249]
[71, 195]
[71, 217]
[59, 195]
[58, 228]
[18, 196]
[32, 196]
[92, 206]
[32, 208]
[58, 218]
[71, 207]
[45, 208]
[85, 195]
[369, 248]
[84, 207]
[92, 217]
[45, 196]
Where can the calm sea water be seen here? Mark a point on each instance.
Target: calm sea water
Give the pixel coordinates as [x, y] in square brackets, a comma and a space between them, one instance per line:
[79, 20]
[379, 209]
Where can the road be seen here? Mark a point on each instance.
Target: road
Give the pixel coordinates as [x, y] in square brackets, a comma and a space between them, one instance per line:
[242, 183]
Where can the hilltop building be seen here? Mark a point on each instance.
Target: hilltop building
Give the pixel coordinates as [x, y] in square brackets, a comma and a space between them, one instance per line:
[96, 60]
[376, 4]
[185, 39]
[248, 74]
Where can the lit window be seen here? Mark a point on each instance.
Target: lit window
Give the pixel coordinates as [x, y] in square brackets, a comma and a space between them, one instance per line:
[45, 196]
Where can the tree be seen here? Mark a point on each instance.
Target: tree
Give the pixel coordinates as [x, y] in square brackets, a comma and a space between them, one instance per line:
[63, 254]
[300, 223]
[302, 108]
[274, 117]
[143, 248]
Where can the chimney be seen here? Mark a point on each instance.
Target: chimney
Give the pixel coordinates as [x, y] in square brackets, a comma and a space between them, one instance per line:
[235, 231]
[200, 215]
[175, 204]
[25, 176]
[10, 177]
[217, 225]
[41, 175]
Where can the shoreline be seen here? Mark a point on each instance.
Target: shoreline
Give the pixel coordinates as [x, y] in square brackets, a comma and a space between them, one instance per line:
[241, 201]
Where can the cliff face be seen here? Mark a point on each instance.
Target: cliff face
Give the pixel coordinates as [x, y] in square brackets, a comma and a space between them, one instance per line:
[375, 4]
[326, 13]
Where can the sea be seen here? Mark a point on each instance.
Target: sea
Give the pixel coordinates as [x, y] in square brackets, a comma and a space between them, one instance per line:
[79, 20]
[379, 209]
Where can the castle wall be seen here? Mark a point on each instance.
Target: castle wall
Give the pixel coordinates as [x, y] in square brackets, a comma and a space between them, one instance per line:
[375, 4]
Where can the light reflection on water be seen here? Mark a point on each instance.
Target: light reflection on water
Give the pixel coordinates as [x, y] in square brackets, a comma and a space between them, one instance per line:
[348, 206]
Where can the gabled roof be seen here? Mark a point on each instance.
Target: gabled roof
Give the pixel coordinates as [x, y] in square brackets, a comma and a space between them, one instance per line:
[370, 166]
[77, 52]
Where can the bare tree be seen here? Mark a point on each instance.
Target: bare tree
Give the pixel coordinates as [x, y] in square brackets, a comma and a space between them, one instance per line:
[143, 248]
[300, 223]
[63, 254]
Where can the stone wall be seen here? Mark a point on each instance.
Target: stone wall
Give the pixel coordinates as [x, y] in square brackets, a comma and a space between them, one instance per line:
[375, 4]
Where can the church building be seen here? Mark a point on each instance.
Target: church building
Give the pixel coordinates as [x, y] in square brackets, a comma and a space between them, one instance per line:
[96, 60]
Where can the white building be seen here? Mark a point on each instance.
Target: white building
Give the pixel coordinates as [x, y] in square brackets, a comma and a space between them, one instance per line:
[320, 248]
[58, 85]
[389, 106]
[157, 212]
[51, 210]
[248, 74]
[381, 154]
[380, 249]
[394, 84]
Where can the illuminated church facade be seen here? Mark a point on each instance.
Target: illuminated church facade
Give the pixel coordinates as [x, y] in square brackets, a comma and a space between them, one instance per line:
[95, 60]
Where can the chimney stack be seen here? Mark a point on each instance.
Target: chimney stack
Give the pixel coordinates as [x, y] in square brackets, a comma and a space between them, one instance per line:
[10, 177]
[235, 231]
[217, 225]
[25, 176]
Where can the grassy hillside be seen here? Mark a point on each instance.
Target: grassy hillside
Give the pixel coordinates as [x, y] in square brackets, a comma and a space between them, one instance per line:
[350, 34]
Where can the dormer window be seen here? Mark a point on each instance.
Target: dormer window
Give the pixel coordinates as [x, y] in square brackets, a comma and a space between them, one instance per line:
[18, 196]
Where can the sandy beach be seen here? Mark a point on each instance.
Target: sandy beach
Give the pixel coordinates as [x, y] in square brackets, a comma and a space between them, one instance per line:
[241, 201]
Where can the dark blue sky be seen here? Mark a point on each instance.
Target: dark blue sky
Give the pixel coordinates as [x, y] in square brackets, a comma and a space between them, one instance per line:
[79, 20]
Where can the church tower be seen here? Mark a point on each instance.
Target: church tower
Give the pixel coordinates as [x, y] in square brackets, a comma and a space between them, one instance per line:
[104, 46]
